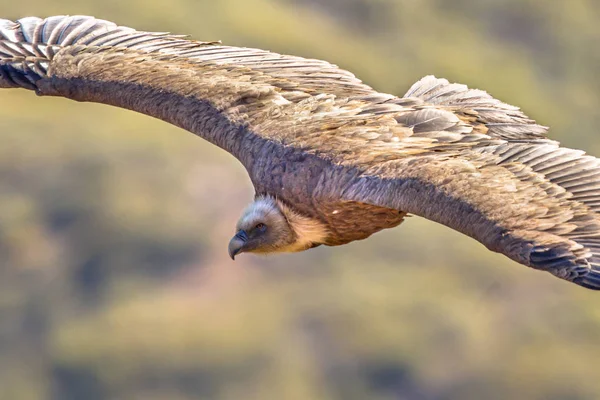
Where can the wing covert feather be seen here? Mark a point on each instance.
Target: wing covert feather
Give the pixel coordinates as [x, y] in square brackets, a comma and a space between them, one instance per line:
[501, 120]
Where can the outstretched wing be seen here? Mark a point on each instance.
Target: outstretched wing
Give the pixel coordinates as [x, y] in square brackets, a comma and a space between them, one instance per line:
[510, 188]
[537, 204]
[209, 89]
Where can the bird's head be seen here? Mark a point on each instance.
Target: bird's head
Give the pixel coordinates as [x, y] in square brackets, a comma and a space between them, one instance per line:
[269, 226]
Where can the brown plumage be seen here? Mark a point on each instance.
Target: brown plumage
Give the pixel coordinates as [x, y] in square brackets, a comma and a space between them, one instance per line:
[331, 159]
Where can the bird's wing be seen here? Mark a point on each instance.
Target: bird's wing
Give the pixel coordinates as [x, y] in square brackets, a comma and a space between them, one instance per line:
[209, 89]
[504, 185]
[538, 204]
[460, 157]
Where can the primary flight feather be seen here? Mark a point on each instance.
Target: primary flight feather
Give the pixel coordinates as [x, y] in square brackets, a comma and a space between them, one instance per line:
[331, 159]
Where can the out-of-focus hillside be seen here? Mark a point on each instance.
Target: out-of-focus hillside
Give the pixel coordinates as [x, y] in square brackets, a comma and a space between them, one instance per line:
[114, 277]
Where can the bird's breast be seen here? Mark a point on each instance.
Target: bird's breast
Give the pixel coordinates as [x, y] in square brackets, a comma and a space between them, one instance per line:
[350, 220]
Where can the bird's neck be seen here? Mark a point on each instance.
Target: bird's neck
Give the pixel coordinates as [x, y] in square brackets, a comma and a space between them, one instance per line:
[309, 231]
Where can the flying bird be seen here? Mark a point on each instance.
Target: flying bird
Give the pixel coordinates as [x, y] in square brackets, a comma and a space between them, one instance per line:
[331, 159]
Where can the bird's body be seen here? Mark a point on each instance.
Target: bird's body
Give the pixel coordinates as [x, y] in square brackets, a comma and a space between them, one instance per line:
[331, 159]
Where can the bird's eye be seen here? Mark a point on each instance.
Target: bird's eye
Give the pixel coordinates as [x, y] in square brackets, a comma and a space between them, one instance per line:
[260, 226]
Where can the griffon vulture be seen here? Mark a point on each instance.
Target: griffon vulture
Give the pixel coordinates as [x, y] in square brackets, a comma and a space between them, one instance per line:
[331, 159]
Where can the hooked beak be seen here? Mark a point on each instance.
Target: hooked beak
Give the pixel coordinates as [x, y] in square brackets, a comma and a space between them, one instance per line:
[237, 243]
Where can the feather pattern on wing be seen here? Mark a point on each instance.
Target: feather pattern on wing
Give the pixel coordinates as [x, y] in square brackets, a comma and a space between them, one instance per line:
[36, 34]
[500, 120]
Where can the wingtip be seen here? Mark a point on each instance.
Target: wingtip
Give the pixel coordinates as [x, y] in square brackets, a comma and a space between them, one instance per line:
[591, 280]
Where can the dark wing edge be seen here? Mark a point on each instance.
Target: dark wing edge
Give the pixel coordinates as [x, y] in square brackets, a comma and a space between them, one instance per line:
[29, 44]
[537, 204]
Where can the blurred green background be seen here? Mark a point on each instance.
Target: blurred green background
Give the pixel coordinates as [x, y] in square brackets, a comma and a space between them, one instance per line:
[114, 276]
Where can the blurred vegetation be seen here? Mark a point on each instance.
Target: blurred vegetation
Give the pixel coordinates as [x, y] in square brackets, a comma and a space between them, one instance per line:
[114, 277]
